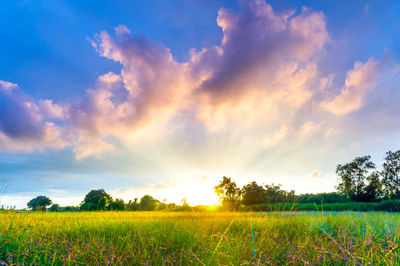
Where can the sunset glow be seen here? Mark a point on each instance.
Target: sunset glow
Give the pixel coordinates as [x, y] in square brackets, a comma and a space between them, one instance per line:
[148, 98]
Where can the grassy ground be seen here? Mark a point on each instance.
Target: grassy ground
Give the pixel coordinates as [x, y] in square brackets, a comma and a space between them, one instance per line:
[198, 238]
[387, 205]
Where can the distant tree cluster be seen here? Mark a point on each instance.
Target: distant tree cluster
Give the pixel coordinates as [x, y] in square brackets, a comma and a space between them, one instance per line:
[100, 200]
[231, 196]
[360, 181]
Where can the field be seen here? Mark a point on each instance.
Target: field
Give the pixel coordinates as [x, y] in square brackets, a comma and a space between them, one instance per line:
[198, 238]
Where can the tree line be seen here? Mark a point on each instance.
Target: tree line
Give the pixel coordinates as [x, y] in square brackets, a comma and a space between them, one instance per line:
[359, 181]
[100, 200]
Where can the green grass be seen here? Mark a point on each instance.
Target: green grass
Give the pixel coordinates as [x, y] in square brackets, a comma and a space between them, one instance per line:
[198, 238]
[387, 205]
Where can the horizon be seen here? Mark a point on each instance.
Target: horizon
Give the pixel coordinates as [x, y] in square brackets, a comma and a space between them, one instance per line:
[167, 98]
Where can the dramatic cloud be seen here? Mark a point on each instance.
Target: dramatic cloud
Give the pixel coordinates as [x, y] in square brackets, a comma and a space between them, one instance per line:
[261, 86]
[265, 60]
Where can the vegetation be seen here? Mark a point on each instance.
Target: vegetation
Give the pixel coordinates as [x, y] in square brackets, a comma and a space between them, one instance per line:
[39, 203]
[387, 205]
[165, 238]
[229, 193]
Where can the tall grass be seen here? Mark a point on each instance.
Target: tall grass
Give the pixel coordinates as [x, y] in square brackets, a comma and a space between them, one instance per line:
[198, 238]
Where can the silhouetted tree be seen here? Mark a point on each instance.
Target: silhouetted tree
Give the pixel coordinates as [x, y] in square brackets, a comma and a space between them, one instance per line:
[391, 175]
[353, 176]
[39, 203]
[253, 193]
[148, 203]
[228, 193]
[96, 199]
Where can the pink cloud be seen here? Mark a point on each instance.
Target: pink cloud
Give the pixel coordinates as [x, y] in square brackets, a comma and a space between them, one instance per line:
[261, 75]
[360, 81]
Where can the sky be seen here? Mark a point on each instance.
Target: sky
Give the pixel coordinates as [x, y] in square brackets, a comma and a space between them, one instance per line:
[166, 97]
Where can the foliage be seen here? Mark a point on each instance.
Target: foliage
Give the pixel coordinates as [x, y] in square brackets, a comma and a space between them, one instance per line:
[96, 199]
[391, 174]
[353, 176]
[229, 193]
[69, 209]
[323, 197]
[252, 193]
[55, 207]
[148, 203]
[387, 206]
[117, 205]
[274, 193]
[133, 205]
[39, 203]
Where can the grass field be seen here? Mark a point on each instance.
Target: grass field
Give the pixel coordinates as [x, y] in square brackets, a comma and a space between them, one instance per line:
[198, 238]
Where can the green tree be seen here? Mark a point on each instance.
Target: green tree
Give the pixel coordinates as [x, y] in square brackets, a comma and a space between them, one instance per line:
[391, 175]
[253, 193]
[39, 203]
[55, 207]
[117, 205]
[96, 199]
[373, 191]
[353, 176]
[274, 194]
[148, 203]
[133, 205]
[229, 194]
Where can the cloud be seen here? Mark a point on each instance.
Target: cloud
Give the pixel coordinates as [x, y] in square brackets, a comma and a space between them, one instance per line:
[308, 128]
[26, 123]
[262, 77]
[147, 91]
[315, 175]
[265, 59]
[270, 141]
[360, 81]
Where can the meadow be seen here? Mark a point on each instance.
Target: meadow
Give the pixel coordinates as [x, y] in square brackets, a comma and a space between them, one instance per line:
[217, 238]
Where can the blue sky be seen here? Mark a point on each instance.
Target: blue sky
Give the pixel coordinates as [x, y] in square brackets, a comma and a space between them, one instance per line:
[146, 97]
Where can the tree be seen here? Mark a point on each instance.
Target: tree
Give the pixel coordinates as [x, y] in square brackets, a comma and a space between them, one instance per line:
[133, 205]
[96, 199]
[373, 191]
[229, 194]
[117, 205]
[252, 194]
[39, 203]
[148, 203]
[391, 175]
[353, 177]
[274, 194]
[54, 208]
